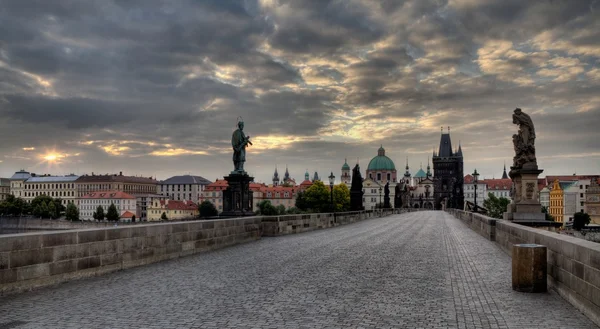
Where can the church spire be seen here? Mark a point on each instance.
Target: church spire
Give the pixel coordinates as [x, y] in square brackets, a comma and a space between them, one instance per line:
[504, 175]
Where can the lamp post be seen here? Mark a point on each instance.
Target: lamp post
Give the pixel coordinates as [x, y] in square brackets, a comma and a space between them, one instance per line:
[475, 180]
[331, 181]
[380, 196]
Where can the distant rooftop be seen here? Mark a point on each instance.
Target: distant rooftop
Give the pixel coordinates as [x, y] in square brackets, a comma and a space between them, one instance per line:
[186, 179]
[116, 178]
[52, 179]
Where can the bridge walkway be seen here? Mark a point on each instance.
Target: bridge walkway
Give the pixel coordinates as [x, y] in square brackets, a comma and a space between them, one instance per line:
[415, 270]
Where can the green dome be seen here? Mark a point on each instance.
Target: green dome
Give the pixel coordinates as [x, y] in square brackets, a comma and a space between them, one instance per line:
[345, 166]
[420, 174]
[381, 162]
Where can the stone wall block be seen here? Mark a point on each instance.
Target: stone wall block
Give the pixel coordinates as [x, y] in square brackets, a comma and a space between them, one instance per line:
[4, 261]
[66, 266]
[97, 248]
[20, 242]
[110, 258]
[592, 276]
[91, 236]
[160, 229]
[577, 269]
[581, 287]
[208, 225]
[195, 226]
[594, 258]
[8, 276]
[58, 239]
[139, 231]
[179, 228]
[89, 262]
[83, 250]
[30, 257]
[61, 253]
[33, 271]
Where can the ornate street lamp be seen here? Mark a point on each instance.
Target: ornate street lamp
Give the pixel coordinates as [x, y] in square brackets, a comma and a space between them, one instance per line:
[475, 180]
[331, 181]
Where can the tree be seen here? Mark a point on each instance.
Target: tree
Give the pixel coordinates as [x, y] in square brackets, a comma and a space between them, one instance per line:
[267, 209]
[301, 202]
[207, 209]
[44, 211]
[293, 211]
[580, 220]
[280, 209]
[72, 213]
[495, 206]
[164, 216]
[14, 206]
[317, 198]
[99, 214]
[52, 210]
[341, 197]
[112, 215]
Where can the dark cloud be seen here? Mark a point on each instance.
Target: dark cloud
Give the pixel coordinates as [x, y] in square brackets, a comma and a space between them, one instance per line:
[125, 84]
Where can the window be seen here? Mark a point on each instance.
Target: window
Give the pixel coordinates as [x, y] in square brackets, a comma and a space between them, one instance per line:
[378, 176]
[389, 176]
[581, 195]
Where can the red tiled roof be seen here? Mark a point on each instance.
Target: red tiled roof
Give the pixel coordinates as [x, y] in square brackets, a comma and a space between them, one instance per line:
[468, 179]
[498, 184]
[218, 185]
[256, 187]
[108, 195]
[127, 214]
[179, 205]
[306, 183]
[116, 178]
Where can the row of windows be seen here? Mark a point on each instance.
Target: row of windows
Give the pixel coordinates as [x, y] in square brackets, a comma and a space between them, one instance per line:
[186, 187]
[388, 175]
[48, 186]
[159, 212]
[106, 201]
[52, 194]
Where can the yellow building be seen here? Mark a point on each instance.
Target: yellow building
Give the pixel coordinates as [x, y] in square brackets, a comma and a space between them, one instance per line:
[556, 202]
[174, 210]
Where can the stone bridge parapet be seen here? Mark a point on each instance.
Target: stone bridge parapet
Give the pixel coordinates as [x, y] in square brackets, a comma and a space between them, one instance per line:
[573, 264]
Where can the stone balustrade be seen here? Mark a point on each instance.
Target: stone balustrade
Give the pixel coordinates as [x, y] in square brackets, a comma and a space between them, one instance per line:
[573, 265]
[37, 259]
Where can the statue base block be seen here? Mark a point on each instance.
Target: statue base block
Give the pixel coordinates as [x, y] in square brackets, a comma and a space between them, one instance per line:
[237, 198]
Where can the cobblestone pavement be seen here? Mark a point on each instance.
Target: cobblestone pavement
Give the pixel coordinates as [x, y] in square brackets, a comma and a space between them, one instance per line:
[417, 270]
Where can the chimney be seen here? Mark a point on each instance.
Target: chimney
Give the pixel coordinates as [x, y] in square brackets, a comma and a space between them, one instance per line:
[120, 173]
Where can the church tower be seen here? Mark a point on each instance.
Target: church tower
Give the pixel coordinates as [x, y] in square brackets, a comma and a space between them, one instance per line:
[346, 178]
[275, 178]
[286, 176]
[407, 178]
[448, 175]
[504, 175]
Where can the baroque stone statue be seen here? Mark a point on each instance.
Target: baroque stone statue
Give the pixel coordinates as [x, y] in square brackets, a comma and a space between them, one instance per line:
[239, 142]
[356, 192]
[524, 141]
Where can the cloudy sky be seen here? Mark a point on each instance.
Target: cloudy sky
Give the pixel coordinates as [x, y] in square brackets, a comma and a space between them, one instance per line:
[155, 87]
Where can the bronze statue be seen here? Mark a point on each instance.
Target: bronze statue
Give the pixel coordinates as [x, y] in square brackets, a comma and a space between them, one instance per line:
[524, 141]
[239, 142]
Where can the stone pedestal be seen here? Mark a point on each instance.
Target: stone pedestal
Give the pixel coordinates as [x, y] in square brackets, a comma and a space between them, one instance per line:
[356, 200]
[529, 268]
[525, 205]
[386, 202]
[237, 198]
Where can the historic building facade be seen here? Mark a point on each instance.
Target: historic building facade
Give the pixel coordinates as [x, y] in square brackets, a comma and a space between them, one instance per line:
[556, 202]
[4, 188]
[448, 175]
[124, 202]
[186, 187]
[142, 188]
[469, 189]
[17, 182]
[592, 201]
[173, 210]
[62, 187]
